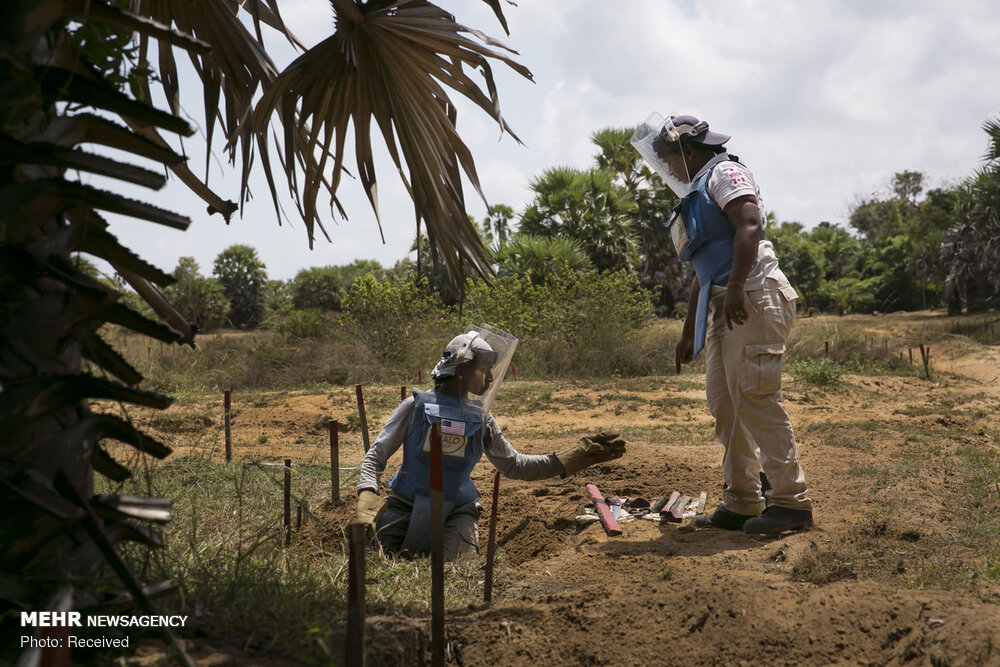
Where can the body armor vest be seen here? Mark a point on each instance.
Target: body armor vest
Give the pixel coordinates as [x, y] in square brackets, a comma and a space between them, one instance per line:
[709, 248]
[461, 425]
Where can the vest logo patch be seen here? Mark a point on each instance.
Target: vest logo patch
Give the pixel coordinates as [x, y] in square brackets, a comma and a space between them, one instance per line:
[453, 438]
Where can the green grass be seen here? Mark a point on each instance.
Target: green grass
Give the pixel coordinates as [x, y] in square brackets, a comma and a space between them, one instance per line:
[225, 549]
[956, 470]
[822, 372]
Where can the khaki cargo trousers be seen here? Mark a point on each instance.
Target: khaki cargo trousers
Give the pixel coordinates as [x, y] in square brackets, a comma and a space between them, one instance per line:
[743, 386]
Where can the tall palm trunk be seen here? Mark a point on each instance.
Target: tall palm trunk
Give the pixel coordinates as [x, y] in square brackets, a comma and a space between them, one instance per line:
[387, 61]
[55, 531]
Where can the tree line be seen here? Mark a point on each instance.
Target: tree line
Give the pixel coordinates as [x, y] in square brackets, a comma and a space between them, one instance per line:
[906, 248]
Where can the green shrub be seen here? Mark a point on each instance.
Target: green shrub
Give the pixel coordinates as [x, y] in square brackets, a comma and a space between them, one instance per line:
[387, 316]
[307, 323]
[318, 288]
[198, 299]
[584, 322]
[823, 371]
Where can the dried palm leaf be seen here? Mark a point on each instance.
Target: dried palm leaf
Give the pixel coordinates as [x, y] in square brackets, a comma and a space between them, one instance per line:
[391, 63]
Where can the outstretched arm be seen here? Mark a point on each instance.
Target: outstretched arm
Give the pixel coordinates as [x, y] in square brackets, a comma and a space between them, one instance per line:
[513, 464]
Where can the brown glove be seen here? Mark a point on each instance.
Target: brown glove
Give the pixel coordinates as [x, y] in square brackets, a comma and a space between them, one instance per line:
[590, 450]
[370, 508]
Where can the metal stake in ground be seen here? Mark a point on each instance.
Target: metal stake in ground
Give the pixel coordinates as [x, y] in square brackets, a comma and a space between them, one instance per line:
[362, 417]
[334, 463]
[227, 402]
[288, 502]
[437, 549]
[491, 545]
[354, 645]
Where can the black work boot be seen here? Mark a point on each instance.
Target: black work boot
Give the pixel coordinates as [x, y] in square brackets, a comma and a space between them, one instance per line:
[721, 518]
[776, 520]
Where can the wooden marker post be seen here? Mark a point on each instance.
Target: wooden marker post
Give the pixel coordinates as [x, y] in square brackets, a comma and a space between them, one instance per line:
[911, 355]
[334, 463]
[437, 549]
[354, 644]
[402, 393]
[491, 545]
[227, 403]
[925, 354]
[826, 348]
[288, 502]
[362, 417]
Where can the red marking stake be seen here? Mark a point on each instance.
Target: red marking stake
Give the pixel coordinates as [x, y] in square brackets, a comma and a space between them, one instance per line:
[354, 648]
[437, 548]
[362, 417]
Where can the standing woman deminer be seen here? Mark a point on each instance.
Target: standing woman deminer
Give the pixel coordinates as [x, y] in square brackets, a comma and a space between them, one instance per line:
[466, 380]
[740, 310]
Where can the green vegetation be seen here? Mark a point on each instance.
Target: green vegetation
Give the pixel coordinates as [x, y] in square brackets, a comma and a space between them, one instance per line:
[225, 549]
[822, 371]
[244, 282]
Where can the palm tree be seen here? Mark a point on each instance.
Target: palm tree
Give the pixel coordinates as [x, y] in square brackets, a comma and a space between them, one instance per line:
[390, 61]
[972, 247]
[496, 225]
[539, 257]
[589, 207]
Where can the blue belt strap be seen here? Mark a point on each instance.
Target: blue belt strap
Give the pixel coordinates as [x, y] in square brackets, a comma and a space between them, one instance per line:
[701, 317]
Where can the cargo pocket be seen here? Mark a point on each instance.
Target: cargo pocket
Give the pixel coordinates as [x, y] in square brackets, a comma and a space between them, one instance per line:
[761, 371]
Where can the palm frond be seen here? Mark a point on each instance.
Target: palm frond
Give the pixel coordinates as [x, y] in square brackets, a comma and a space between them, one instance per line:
[391, 67]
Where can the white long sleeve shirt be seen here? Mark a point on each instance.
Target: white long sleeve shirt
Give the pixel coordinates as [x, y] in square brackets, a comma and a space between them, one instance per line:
[501, 453]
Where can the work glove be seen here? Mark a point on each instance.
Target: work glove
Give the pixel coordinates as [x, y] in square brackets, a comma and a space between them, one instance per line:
[590, 450]
[370, 508]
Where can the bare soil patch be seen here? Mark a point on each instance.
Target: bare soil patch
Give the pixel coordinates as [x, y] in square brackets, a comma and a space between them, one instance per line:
[893, 572]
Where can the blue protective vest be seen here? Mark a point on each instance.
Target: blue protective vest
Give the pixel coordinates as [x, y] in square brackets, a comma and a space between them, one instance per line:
[710, 247]
[461, 447]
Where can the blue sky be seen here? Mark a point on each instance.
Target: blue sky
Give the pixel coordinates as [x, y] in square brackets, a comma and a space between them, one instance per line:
[825, 100]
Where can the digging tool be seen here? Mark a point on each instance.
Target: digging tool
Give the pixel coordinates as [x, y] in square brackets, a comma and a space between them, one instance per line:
[491, 545]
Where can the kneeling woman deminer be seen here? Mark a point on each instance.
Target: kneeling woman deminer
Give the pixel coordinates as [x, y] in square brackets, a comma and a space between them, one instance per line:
[466, 380]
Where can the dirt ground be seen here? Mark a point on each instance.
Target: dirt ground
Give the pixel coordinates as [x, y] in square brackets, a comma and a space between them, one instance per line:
[856, 589]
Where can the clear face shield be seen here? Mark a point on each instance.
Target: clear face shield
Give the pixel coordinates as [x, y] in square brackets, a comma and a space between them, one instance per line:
[642, 140]
[479, 358]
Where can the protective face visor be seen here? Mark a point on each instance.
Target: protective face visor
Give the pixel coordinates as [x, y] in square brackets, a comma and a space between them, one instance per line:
[656, 127]
[484, 346]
